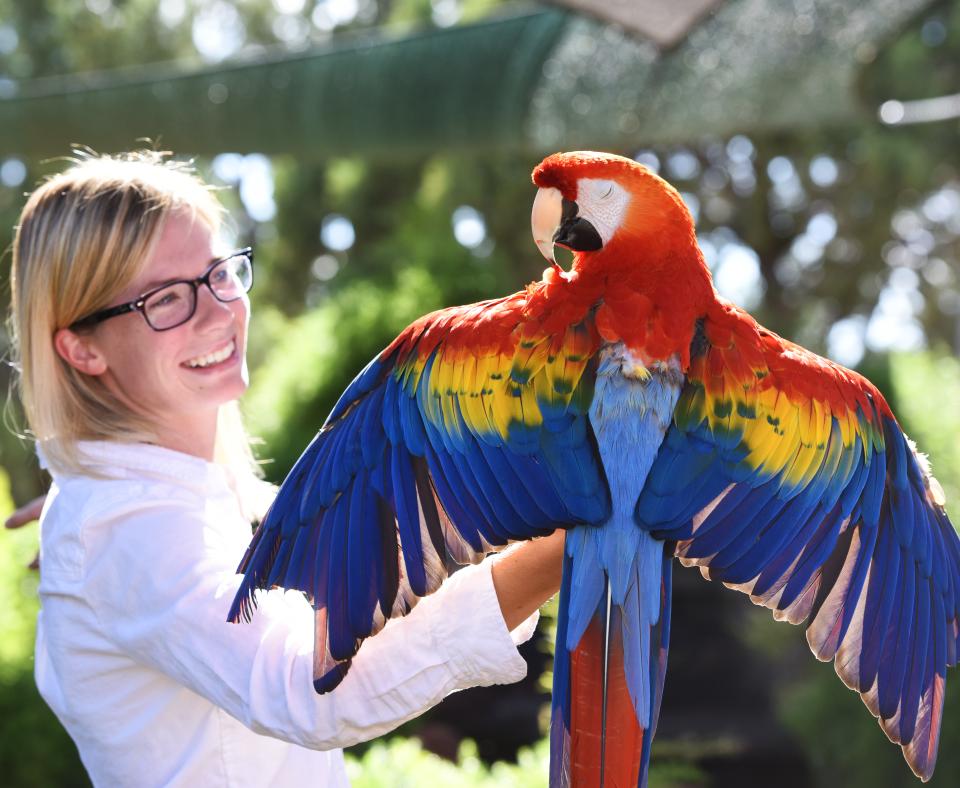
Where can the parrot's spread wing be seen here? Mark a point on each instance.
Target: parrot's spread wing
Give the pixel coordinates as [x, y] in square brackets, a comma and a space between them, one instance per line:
[468, 431]
[786, 477]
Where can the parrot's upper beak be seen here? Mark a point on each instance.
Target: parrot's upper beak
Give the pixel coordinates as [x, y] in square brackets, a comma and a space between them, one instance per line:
[556, 220]
[545, 220]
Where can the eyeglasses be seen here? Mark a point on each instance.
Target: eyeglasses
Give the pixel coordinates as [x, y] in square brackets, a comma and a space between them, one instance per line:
[173, 304]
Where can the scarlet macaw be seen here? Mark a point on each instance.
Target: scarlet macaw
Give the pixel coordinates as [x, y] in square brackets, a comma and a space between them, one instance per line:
[626, 401]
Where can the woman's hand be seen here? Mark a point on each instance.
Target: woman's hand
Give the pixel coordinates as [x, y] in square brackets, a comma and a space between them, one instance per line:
[526, 575]
[27, 514]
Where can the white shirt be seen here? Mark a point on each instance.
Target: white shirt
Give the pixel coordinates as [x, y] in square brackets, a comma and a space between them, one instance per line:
[135, 657]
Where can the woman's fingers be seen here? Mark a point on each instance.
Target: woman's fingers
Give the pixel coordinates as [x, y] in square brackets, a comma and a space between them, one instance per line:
[26, 513]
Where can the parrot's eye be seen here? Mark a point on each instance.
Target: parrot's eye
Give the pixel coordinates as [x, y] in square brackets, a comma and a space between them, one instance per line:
[603, 203]
[595, 190]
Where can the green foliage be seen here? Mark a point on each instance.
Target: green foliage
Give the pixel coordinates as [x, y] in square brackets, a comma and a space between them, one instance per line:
[898, 65]
[927, 387]
[403, 763]
[34, 748]
[847, 747]
[18, 587]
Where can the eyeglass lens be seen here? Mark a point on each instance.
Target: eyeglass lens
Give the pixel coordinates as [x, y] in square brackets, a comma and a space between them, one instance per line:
[175, 304]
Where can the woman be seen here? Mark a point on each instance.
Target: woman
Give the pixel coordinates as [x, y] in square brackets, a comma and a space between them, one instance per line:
[131, 327]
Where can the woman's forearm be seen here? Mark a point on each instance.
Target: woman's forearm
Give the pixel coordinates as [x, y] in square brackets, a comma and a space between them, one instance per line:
[527, 575]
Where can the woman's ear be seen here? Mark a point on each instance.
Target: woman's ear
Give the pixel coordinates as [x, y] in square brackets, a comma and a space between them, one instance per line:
[80, 352]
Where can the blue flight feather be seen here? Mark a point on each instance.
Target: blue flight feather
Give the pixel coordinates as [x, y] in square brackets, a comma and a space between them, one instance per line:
[780, 563]
[917, 661]
[310, 467]
[514, 489]
[342, 643]
[900, 634]
[408, 520]
[460, 505]
[745, 558]
[749, 560]
[462, 467]
[369, 378]
[364, 570]
[302, 559]
[732, 527]
[279, 567]
[880, 597]
[817, 551]
[373, 439]
[390, 415]
[873, 489]
[541, 488]
[411, 423]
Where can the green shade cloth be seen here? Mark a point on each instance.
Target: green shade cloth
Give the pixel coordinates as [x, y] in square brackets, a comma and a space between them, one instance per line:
[462, 87]
[539, 80]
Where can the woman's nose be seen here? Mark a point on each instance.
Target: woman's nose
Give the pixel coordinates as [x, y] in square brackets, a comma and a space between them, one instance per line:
[210, 310]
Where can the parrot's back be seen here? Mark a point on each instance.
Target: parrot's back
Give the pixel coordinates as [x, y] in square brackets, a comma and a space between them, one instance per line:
[615, 604]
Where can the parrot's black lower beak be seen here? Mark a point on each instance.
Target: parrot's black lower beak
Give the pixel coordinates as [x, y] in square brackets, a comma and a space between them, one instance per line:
[575, 232]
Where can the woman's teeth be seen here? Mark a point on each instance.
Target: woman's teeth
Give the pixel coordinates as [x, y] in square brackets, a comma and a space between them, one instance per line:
[213, 358]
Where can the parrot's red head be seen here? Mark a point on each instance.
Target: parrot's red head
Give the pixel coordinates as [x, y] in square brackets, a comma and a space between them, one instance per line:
[613, 213]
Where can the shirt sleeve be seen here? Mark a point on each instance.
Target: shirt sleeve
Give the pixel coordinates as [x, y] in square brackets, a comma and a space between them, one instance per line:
[164, 584]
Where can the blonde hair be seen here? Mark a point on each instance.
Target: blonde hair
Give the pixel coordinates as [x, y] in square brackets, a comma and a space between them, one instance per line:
[82, 238]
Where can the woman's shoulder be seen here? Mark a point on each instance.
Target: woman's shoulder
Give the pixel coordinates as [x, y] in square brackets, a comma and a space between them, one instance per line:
[87, 516]
[136, 503]
[89, 500]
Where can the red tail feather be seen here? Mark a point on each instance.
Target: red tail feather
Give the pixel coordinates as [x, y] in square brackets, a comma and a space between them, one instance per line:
[624, 736]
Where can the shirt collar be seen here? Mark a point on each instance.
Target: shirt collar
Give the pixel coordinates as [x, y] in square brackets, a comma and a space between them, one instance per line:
[134, 460]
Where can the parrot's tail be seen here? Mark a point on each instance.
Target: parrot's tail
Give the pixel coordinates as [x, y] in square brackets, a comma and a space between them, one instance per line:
[607, 690]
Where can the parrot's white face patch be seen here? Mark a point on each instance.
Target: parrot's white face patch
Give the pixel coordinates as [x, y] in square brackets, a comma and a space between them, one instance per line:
[603, 203]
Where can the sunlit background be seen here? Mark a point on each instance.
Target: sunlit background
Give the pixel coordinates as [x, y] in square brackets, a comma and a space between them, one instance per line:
[814, 141]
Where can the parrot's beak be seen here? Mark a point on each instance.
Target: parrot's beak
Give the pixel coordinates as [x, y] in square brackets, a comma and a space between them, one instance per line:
[557, 221]
[545, 220]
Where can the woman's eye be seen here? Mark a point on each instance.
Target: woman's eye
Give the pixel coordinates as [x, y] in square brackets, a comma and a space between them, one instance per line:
[166, 299]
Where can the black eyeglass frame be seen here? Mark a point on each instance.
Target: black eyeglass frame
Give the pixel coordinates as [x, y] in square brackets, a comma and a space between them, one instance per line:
[137, 305]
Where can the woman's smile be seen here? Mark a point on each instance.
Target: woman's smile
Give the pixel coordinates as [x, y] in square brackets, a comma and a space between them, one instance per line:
[216, 359]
